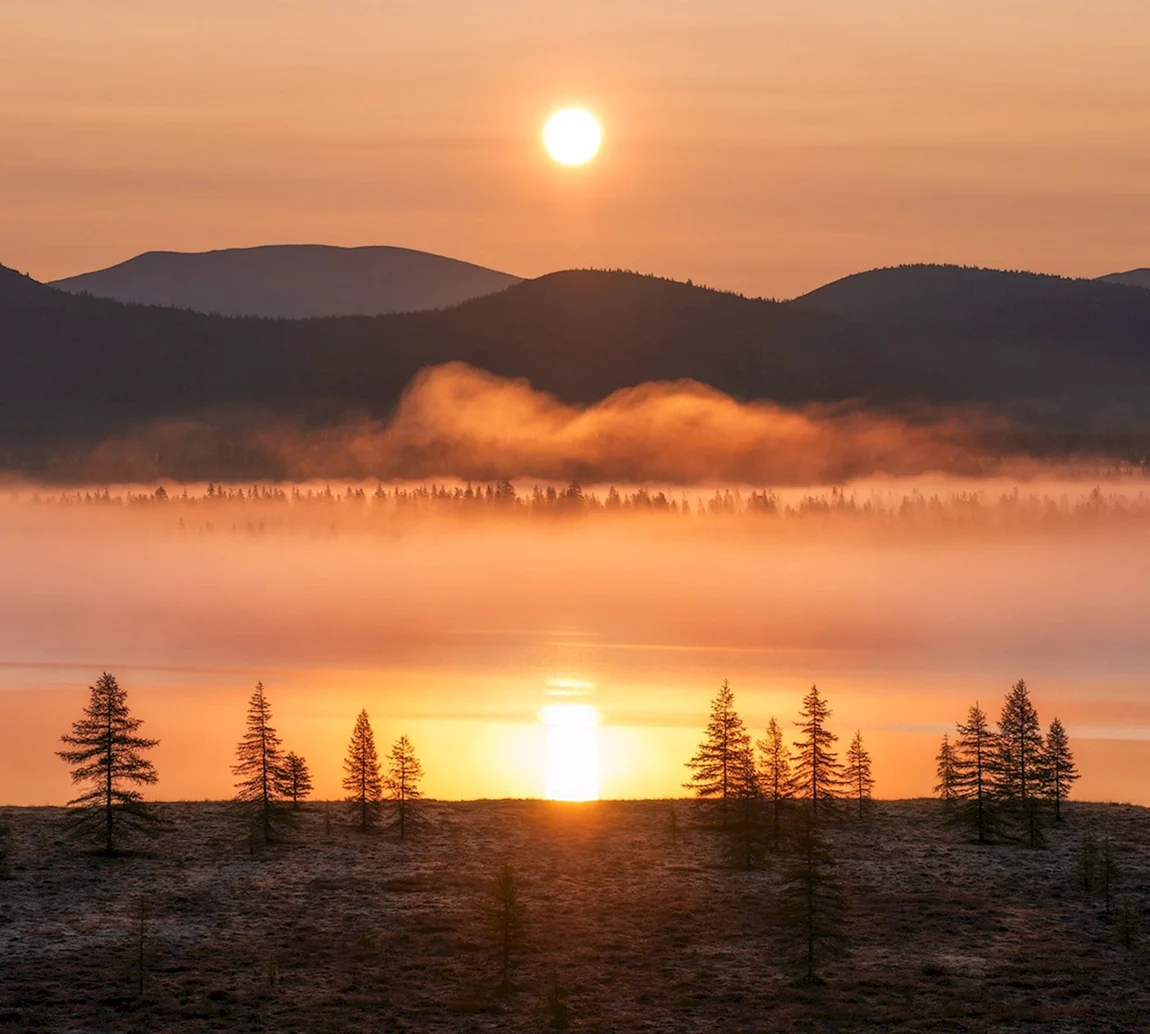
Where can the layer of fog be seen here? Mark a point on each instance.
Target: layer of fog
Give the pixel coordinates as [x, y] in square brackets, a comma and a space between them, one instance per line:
[452, 628]
[455, 420]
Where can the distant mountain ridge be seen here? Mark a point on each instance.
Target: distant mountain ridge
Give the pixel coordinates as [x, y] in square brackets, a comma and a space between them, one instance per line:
[1133, 277]
[292, 281]
[1067, 361]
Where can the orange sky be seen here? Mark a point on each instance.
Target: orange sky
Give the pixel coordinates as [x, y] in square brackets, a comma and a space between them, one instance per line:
[761, 146]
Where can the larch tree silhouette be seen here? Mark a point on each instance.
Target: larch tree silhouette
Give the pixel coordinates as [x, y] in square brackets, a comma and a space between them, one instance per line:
[947, 773]
[403, 775]
[977, 756]
[1058, 768]
[775, 774]
[746, 825]
[1108, 865]
[508, 919]
[811, 900]
[857, 778]
[262, 789]
[362, 780]
[1020, 747]
[818, 773]
[1088, 861]
[297, 778]
[718, 768]
[108, 754]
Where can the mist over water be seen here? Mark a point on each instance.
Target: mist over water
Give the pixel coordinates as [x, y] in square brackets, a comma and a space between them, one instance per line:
[446, 616]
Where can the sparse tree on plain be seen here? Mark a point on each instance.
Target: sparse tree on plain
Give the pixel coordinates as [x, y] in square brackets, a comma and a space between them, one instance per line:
[508, 920]
[746, 824]
[775, 774]
[362, 780]
[555, 1005]
[1089, 861]
[1032, 823]
[857, 778]
[262, 789]
[947, 773]
[818, 773]
[108, 755]
[143, 911]
[403, 775]
[1020, 747]
[811, 901]
[1058, 768]
[1108, 864]
[977, 755]
[297, 778]
[719, 766]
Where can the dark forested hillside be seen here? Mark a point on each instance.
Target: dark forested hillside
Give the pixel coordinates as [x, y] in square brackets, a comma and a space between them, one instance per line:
[1069, 357]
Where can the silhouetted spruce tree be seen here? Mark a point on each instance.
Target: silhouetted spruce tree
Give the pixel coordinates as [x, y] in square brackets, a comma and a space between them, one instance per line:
[362, 779]
[555, 1004]
[1089, 861]
[857, 778]
[977, 756]
[297, 778]
[746, 826]
[775, 775]
[947, 774]
[1020, 747]
[403, 775]
[1108, 864]
[1032, 823]
[811, 901]
[108, 755]
[719, 765]
[508, 921]
[262, 789]
[818, 773]
[1058, 769]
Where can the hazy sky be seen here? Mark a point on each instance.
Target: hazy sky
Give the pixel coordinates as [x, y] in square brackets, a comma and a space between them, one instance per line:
[451, 631]
[762, 146]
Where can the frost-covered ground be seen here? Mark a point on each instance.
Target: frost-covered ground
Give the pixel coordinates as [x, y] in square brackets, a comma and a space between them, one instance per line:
[337, 931]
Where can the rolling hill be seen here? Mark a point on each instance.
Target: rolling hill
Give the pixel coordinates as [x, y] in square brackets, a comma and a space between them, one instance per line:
[1133, 277]
[292, 281]
[1068, 359]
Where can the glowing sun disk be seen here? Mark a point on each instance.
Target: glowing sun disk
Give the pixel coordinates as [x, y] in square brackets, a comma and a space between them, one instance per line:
[572, 766]
[572, 136]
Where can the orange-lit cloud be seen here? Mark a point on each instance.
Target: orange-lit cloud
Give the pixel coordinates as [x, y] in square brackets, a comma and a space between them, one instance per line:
[457, 421]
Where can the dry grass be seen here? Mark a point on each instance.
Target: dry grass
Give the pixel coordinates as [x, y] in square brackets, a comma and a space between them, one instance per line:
[361, 933]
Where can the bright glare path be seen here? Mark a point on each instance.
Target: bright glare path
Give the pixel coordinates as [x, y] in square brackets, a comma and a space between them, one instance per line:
[572, 136]
[572, 770]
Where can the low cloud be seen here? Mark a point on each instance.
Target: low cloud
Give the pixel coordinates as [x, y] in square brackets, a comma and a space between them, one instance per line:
[456, 421]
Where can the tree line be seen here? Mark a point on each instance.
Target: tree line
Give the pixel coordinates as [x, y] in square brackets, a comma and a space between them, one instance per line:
[949, 511]
[767, 795]
[107, 755]
[989, 778]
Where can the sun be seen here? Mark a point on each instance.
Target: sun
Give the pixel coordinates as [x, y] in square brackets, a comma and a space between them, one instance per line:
[572, 766]
[572, 136]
